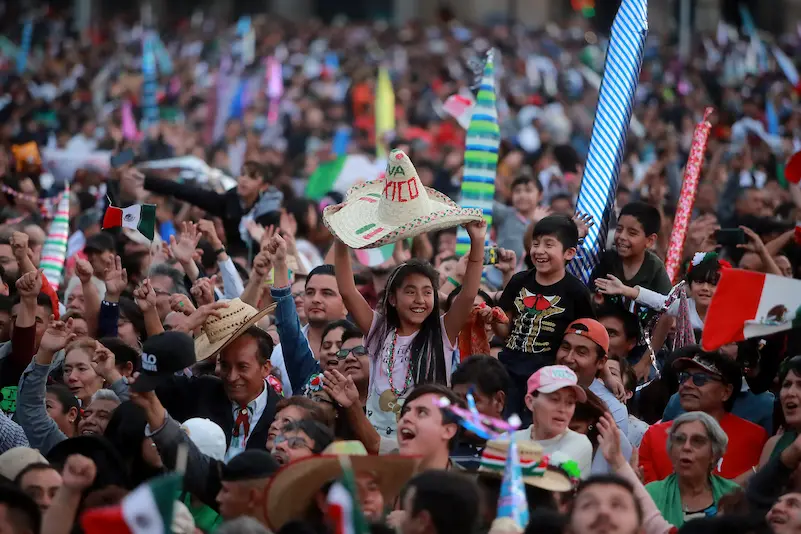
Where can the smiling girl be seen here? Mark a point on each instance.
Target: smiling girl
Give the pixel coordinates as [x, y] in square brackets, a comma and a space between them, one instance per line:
[408, 342]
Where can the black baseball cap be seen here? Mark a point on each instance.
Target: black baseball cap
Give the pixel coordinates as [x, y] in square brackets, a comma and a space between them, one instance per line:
[163, 355]
[252, 464]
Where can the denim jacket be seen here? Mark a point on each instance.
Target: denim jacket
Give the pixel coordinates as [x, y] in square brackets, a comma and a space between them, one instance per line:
[298, 357]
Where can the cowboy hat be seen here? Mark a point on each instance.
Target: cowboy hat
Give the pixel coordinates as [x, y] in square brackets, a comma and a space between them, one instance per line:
[219, 332]
[392, 208]
[537, 470]
[290, 492]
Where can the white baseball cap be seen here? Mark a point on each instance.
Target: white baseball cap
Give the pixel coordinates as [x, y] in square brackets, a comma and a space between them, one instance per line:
[207, 436]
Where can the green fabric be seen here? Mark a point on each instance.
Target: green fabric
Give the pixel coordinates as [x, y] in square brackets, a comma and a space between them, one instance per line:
[667, 498]
[324, 177]
[206, 519]
[784, 441]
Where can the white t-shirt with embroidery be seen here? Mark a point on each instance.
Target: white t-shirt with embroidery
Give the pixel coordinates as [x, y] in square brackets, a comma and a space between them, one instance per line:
[383, 406]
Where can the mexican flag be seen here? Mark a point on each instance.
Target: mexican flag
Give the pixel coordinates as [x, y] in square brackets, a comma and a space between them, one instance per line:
[340, 174]
[344, 510]
[749, 304]
[146, 510]
[140, 217]
[372, 257]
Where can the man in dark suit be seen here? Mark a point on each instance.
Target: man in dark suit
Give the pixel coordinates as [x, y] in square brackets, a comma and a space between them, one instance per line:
[240, 400]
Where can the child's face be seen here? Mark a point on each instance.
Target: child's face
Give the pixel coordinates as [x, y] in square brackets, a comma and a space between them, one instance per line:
[525, 197]
[446, 269]
[414, 299]
[702, 292]
[549, 255]
[630, 238]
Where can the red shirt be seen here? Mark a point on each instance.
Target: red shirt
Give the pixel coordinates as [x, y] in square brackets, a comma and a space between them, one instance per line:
[745, 446]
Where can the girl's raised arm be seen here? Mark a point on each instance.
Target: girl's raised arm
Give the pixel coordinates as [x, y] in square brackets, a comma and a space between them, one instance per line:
[361, 312]
[462, 305]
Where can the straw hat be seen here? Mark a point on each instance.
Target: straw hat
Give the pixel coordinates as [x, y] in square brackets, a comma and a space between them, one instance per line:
[537, 470]
[290, 492]
[218, 332]
[392, 208]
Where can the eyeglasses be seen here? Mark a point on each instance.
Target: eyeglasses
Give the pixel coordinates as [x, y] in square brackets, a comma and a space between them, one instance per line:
[699, 379]
[696, 441]
[358, 350]
[293, 443]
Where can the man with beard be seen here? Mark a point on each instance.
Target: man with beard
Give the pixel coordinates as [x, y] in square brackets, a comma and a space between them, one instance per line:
[301, 347]
[605, 504]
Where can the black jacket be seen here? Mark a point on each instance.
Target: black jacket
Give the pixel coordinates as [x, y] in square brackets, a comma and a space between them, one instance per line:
[226, 205]
[205, 396]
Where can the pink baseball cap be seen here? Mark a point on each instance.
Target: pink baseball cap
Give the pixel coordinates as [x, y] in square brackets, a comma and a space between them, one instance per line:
[553, 378]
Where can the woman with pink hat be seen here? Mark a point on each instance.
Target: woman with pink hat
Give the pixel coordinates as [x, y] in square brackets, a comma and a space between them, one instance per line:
[553, 392]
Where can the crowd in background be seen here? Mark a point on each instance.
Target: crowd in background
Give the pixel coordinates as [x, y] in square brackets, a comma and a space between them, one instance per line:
[250, 349]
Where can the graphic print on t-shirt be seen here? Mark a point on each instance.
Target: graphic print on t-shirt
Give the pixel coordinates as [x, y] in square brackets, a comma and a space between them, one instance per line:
[533, 310]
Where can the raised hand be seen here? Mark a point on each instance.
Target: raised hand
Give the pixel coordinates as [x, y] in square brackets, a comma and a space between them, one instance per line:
[755, 243]
[340, 388]
[584, 222]
[57, 335]
[104, 363]
[79, 473]
[507, 260]
[116, 278]
[29, 285]
[203, 290]
[19, 245]
[208, 231]
[540, 212]
[200, 315]
[183, 248]
[84, 271]
[287, 224]
[145, 296]
[276, 248]
[609, 441]
[477, 230]
[182, 304]
[611, 285]
[262, 264]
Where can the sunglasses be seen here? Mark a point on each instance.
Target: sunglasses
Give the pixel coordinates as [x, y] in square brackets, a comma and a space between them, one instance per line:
[699, 379]
[358, 350]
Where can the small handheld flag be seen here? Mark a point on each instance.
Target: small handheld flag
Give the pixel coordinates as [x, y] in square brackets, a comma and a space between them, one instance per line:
[140, 217]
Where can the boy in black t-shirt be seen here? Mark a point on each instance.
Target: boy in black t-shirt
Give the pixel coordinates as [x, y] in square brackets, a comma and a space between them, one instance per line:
[540, 303]
[631, 261]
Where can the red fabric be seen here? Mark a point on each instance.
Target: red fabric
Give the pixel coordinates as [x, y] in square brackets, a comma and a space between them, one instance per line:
[48, 290]
[242, 420]
[736, 300]
[745, 446]
[472, 337]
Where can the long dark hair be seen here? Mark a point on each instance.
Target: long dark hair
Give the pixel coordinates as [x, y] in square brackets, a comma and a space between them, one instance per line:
[427, 357]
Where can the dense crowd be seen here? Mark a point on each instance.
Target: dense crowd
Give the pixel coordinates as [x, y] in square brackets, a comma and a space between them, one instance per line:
[248, 349]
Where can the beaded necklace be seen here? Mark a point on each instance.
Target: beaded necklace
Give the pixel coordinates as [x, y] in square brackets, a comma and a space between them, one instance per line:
[391, 366]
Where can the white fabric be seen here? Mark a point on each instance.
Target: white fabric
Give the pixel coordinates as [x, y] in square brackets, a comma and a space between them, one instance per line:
[576, 446]
[232, 282]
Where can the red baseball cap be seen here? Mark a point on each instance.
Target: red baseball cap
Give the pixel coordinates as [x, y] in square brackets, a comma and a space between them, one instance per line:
[591, 329]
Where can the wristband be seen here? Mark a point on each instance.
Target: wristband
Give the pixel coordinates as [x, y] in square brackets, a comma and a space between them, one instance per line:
[219, 251]
[453, 281]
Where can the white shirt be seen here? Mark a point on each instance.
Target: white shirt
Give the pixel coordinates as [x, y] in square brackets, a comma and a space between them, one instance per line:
[255, 410]
[576, 446]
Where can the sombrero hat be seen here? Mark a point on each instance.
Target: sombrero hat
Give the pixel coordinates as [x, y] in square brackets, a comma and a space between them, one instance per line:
[292, 489]
[392, 208]
[218, 332]
[537, 468]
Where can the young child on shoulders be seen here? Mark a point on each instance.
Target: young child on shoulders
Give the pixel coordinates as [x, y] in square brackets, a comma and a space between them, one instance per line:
[631, 261]
[540, 304]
